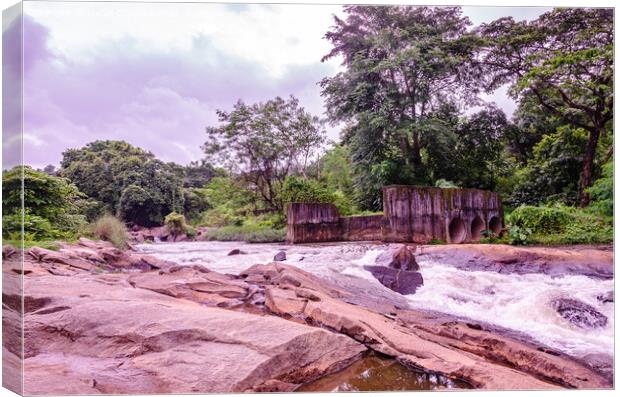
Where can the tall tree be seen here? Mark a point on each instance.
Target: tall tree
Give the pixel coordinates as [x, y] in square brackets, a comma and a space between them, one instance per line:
[264, 143]
[564, 59]
[401, 64]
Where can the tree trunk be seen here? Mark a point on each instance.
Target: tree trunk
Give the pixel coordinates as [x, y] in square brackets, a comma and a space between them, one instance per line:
[585, 181]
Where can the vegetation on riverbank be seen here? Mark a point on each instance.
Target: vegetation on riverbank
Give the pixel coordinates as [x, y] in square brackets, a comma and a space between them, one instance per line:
[405, 123]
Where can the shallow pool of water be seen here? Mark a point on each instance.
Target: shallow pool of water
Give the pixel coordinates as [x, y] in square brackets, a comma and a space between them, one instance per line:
[375, 373]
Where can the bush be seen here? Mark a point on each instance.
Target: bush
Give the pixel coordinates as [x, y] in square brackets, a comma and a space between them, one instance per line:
[558, 225]
[110, 228]
[542, 220]
[176, 224]
[299, 190]
[602, 192]
[445, 184]
[250, 234]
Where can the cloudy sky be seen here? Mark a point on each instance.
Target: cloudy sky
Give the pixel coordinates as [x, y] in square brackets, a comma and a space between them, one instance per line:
[153, 74]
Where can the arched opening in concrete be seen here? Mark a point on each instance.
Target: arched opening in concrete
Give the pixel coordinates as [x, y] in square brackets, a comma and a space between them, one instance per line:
[477, 226]
[495, 225]
[457, 230]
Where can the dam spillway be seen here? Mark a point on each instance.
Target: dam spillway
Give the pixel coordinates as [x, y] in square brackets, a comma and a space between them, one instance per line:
[410, 214]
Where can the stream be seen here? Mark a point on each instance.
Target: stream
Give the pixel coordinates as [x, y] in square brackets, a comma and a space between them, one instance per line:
[519, 302]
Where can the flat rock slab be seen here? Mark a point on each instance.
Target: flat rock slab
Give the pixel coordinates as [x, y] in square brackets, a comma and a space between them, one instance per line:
[99, 334]
[591, 261]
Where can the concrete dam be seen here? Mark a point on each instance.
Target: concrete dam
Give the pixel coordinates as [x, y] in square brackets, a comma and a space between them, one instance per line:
[410, 214]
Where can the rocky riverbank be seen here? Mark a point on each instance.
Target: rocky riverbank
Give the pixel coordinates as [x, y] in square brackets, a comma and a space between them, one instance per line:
[100, 320]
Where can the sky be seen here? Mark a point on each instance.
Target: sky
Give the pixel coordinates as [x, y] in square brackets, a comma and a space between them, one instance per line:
[153, 74]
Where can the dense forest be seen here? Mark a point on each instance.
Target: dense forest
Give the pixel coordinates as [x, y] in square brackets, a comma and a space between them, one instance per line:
[409, 98]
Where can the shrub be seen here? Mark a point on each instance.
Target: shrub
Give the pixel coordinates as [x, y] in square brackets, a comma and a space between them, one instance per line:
[110, 228]
[558, 225]
[519, 235]
[176, 224]
[250, 234]
[443, 183]
[542, 220]
[602, 192]
[299, 190]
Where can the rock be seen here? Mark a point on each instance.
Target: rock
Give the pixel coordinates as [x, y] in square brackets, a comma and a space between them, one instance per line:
[97, 334]
[8, 251]
[236, 251]
[607, 297]
[595, 262]
[449, 347]
[401, 257]
[402, 281]
[579, 313]
[280, 256]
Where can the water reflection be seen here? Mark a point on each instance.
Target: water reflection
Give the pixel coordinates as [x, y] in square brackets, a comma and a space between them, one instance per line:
[375, 373]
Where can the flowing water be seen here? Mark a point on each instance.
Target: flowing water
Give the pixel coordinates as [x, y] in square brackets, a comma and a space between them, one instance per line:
[518, 302]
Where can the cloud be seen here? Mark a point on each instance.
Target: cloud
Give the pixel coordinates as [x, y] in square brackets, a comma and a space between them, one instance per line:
[160, 100]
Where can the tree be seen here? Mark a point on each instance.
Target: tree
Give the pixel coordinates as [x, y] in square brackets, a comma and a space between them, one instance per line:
[129, 181]
[264, 143]
[402, 65]
[198, 174]
[564, 59]
[49, 204]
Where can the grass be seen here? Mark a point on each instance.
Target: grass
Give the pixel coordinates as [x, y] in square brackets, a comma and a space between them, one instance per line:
[110, 228]
[50, 245]
[250, 234]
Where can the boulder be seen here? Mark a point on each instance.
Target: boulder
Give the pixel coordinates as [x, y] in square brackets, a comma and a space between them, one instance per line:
[280, 256]
[402, 281]
[401, 257]
[236, 251]
[579, 313]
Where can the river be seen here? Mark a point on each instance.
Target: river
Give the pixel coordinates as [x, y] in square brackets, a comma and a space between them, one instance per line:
[519, 302]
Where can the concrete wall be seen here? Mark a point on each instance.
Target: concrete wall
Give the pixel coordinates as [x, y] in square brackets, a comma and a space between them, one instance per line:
[421, 214]
[411, 214]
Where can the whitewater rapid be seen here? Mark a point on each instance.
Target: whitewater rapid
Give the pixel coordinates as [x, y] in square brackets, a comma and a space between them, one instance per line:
[518, 302]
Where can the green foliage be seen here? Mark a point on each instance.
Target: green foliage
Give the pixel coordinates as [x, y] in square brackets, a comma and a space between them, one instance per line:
[300, 190]
[602, 192]
[558, 225]
[50, 205]
[229, 201]
[195, 202]
[176, 224]
[442, 183]
[264, 143]
[552, 174]
[519, 235]
[112, 229]
[544, 220]
[563, 61]
[130, 182]
[250, 234]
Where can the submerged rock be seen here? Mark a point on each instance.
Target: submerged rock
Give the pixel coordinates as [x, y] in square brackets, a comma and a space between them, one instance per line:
[401, 257]
[280, 256]
[579, 313]
[236, 251]
[402, 281]
[607, 297]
